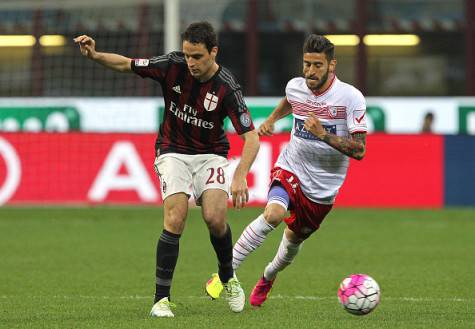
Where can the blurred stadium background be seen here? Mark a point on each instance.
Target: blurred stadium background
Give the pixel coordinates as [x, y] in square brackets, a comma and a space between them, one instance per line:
[409, 58]
[73, 134]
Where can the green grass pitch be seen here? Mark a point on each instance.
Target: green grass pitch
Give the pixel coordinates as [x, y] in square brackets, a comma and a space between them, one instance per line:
[94, 268]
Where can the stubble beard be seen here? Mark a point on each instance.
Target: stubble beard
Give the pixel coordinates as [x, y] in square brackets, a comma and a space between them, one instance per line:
[321, 82]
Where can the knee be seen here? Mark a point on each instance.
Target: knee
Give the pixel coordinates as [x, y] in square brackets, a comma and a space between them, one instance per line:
[216, 221]
[174, 221]
[274, 214]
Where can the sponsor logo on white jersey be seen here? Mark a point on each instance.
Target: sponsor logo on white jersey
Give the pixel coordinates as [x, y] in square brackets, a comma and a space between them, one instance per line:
[359, 117]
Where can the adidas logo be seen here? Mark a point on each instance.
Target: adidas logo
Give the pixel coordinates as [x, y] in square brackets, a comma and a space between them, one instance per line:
[177, 89]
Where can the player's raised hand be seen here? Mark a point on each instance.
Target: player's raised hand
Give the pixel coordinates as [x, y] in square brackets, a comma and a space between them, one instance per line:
[266, 128]
[313, 125]
[239, 192]
[87, 45]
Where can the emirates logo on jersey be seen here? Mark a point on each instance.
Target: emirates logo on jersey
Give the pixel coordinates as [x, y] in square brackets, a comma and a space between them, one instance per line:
[210, 102]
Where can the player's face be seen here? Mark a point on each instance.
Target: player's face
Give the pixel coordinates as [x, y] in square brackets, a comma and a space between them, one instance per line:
[316, 70]
[199, 60]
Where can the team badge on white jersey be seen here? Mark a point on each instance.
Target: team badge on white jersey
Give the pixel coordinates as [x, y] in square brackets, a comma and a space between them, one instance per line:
[210, 102]
[333, 111]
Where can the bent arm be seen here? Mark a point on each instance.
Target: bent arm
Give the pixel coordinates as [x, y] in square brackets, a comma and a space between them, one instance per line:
[87, 46]
[354, 147]
[282, 110]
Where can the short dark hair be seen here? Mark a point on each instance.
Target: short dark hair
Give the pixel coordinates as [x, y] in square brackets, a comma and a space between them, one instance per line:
[319, 44]
[201, 32]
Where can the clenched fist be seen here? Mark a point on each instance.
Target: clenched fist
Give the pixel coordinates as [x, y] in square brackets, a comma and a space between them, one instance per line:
[313, 125]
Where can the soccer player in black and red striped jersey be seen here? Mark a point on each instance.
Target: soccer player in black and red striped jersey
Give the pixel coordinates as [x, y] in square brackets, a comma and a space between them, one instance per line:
[192, 149]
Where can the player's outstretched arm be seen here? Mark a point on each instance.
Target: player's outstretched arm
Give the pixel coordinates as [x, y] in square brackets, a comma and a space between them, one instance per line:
[87, 46]
[282, 110]
[239, 190]
[354, 147]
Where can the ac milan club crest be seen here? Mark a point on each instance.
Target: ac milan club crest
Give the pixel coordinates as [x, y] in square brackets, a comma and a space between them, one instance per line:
[210, 102]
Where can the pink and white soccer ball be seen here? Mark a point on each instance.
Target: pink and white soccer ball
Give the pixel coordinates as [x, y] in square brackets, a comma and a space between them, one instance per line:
[359, 294]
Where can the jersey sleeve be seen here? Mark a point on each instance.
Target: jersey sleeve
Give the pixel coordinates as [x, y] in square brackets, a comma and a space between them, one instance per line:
[356, 115]
[155, 68]
[238, 112]
[290, 90]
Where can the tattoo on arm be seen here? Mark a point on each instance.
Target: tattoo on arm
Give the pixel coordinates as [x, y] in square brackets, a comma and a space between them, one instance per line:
[354, 147]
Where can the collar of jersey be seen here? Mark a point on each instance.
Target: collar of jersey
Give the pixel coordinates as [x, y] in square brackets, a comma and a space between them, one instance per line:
[212, 77]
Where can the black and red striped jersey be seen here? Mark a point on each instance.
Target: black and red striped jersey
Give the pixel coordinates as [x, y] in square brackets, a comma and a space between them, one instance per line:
[193, 119]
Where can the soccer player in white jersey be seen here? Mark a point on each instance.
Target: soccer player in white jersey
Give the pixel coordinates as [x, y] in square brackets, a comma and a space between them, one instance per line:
[329, 127]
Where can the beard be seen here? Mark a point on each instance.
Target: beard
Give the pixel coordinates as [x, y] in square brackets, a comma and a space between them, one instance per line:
[321, 82]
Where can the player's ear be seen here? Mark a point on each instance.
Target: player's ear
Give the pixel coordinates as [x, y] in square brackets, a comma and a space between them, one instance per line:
[332, 65]
[214, 52]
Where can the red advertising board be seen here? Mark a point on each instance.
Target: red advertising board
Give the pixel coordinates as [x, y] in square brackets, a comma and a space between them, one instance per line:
[85, 168]
[397, 171]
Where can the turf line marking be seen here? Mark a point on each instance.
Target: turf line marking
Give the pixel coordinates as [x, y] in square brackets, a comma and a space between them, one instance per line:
[312, 298]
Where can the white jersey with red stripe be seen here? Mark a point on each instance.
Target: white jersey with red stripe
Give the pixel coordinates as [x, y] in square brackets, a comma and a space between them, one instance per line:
[321, 169]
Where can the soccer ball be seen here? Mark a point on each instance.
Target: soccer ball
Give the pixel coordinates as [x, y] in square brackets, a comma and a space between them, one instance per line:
[359, 294]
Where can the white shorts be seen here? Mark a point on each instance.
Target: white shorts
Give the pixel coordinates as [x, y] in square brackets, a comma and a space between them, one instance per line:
[191, 174]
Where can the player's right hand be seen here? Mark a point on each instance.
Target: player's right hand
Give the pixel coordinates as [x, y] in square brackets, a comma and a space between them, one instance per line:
[87, 45]
[266, 128]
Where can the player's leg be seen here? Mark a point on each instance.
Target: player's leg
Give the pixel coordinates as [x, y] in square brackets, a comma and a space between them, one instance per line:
[211, 186]
[175, 211]
[175, 180]
[304, 220]
[289, 247]
[256, 232]
[214, 208]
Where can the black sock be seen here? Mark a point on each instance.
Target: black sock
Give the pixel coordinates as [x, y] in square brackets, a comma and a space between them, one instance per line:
[223, 246]
[167, 256]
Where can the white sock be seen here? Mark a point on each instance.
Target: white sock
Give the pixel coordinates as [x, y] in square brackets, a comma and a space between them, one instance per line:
[251, 238]
[285, 255]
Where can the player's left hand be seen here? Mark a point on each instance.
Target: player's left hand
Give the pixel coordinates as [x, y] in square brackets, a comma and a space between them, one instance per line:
[239, 192]
[313, 125]
[87, 45]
